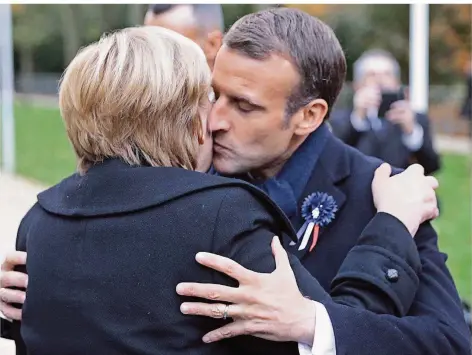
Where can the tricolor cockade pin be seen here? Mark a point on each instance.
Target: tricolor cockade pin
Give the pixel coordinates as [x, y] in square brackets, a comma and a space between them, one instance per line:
[318, 210]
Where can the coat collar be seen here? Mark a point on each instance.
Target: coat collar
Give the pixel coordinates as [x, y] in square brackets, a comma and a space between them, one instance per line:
[287, 186]
[114, 187]
[331, 170]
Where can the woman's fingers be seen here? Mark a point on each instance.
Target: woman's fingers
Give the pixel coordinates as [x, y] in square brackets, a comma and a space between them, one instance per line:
[226, 266]
[211, 292]
[13, 279]
[12, 296]
[213, 310]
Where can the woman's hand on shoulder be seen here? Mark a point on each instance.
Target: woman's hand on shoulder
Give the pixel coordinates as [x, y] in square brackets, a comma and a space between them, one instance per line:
[268, 306]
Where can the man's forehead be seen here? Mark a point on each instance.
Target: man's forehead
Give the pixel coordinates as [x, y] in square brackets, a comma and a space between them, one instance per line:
[272, 75]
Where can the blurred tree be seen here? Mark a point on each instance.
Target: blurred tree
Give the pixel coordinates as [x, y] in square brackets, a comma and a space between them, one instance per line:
[136, 13]
[85, 23]
[32, 26]
[40, 38]
[70, 16]
[259, 7]
[362, 27]
[92, 22]
[352, 27]
[233, 12]
[390, 30]
[450, 42]
[17, 7]
[318, 10]
[115, 16]
[49, 57]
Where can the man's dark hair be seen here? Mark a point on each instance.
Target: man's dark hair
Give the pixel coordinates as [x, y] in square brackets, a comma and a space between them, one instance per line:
[310, 44]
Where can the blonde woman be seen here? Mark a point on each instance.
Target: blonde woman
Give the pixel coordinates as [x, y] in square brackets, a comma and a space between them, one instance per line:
[108, 245]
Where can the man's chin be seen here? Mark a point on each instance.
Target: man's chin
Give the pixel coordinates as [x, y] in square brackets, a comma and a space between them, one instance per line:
[224, 168]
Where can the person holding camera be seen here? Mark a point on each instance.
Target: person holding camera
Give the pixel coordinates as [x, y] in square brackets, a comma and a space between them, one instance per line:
[382, 123]
[466, 109]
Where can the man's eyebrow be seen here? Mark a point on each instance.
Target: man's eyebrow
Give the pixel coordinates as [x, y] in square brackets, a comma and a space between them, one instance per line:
[246, 100]
[237, 97]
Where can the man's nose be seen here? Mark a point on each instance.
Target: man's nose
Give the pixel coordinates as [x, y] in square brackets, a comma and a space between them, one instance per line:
[219, 120]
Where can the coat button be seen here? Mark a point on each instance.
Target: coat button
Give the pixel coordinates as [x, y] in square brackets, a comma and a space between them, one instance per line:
[392, 275]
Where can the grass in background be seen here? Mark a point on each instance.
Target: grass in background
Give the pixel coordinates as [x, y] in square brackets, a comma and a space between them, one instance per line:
[42, 148]
[45, 154]
[454, 225]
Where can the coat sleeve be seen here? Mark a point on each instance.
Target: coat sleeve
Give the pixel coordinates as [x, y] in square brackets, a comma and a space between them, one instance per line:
[244, 231]
[383, 265]
[433, 325]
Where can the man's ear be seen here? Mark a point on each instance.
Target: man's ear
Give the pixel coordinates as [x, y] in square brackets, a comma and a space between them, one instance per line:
[311, 117]
[213, 45]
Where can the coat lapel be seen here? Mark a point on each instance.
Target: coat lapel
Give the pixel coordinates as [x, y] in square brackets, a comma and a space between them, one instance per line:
[331, 169]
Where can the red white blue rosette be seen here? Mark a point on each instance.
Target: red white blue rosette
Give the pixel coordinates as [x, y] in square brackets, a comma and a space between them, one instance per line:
[318, 210]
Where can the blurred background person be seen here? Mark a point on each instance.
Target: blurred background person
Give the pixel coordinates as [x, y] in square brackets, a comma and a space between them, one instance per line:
[382, 122]
[202, 23]
[466, 110]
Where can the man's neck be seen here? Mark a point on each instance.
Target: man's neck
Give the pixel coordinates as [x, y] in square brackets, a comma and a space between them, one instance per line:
[273, 168]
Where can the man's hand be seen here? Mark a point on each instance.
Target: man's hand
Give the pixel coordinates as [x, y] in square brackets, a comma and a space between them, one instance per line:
[268, 306]
[408, 196]
[364, 99]
[401, 113]
[10, 278]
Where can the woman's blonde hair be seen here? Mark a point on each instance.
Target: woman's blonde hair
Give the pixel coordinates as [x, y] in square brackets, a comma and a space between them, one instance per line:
[135, 95]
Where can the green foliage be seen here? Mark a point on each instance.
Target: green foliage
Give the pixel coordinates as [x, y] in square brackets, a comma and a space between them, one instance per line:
[358, 29]
[233, 12]
[33, 25]
[43, 30]
[363, 27]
